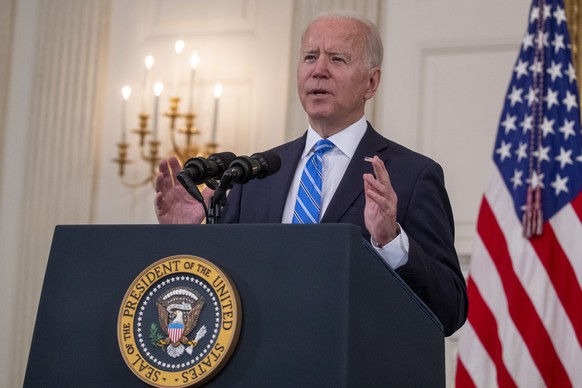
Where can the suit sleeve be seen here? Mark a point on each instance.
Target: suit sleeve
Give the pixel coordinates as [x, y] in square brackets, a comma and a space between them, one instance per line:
[433, 270]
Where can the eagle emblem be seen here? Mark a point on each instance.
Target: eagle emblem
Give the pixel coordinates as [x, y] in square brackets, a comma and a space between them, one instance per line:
[178, 312]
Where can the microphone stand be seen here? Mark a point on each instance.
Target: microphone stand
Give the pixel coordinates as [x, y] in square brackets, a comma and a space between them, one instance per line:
[219, 197]
[213, 212]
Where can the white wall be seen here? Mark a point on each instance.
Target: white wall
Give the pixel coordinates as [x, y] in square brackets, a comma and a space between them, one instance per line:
[18, 98]
[48, 149]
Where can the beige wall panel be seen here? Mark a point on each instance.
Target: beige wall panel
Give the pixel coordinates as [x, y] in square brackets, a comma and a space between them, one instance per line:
[459, 88]
[199, 17]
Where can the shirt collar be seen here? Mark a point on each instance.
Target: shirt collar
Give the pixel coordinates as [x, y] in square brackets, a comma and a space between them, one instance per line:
[346, 140]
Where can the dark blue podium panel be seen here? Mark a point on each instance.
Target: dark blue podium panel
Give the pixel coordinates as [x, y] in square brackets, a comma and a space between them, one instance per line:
[319, 308]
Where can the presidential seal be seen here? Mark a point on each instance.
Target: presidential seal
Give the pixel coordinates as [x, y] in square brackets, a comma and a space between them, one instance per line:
[179, 322]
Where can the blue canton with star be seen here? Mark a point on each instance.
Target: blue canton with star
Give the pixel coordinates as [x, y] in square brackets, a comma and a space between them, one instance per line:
[557, 142]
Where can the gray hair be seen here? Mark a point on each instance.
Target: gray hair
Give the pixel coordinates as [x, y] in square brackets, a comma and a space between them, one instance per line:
[373, 47]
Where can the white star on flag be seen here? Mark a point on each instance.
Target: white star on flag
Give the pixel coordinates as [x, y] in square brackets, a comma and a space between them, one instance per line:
[521, 69]
[558, 43]
[555, 70]
[568, 129]
[551, 98]
[564, 158]
[560, 184]
[570, 101]
[515, 96]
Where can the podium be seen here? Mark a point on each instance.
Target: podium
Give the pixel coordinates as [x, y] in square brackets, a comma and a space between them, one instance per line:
[319, 307]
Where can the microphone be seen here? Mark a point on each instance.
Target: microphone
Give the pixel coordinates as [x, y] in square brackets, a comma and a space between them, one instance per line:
[242, 170]
[197, 170]
[257, 166]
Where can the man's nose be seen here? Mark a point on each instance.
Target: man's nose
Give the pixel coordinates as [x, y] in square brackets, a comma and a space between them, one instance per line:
[321, 69]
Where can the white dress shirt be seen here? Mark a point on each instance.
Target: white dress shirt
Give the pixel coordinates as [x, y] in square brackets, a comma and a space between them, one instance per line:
[334, 165]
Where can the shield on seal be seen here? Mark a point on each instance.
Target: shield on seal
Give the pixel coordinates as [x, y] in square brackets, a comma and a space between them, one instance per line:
[175, 330]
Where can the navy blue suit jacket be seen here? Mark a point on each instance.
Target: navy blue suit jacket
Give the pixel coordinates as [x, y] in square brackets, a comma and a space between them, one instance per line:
[424, 212]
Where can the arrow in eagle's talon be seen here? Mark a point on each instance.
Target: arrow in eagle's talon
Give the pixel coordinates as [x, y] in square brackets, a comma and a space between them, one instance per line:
[201, 333]
[190, 348]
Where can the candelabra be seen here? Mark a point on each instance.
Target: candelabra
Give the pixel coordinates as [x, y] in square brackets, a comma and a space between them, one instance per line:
[149, 145]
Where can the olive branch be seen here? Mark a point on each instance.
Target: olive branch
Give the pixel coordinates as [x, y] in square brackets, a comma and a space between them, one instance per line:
[155, 337]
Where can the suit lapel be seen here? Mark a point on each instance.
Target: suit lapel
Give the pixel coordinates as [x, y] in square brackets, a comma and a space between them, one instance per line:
[352, 184]
[281, 181]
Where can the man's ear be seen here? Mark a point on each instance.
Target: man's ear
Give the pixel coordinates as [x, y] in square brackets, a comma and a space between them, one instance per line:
[374, 76]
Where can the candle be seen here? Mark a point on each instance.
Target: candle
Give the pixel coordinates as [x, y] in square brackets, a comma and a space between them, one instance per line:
[125, 93]
[217, 94]
[149, 63]
[178, 47]
[194, 62]
[158, 88]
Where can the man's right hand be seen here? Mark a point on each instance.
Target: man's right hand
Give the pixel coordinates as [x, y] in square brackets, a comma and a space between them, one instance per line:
[173, 203]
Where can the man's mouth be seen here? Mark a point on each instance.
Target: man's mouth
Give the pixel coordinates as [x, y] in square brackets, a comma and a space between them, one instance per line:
[319, 92]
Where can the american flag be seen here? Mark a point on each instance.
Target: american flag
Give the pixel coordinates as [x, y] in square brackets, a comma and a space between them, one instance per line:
[525, 300]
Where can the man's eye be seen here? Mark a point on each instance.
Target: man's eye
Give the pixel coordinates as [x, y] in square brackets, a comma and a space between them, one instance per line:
[309, 58]
[338, 60]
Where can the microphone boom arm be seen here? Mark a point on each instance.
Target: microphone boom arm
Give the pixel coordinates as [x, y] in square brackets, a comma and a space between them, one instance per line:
[219, 197]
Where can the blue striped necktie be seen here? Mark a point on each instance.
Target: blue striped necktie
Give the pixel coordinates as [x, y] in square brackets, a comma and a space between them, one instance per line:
[308, 205]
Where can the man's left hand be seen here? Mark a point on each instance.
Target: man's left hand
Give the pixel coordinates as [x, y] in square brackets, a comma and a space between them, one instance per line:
[381, 200]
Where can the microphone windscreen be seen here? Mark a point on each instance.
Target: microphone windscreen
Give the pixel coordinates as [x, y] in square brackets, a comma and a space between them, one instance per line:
[225, 158]
[270, 161]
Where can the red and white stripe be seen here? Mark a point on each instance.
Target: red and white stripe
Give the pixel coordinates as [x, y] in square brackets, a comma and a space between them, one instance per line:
[175, 334]
[525, 313]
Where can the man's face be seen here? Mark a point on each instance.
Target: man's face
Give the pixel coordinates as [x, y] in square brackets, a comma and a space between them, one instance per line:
[333, 76]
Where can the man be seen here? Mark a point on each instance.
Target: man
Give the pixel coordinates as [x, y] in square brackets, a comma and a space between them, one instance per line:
[406, 214]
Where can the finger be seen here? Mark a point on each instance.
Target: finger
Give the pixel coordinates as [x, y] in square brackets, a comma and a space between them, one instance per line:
[378, 197]
[381, 174]
[381, 193]
[159, 183]
[380, 170]
[164, 180]
[158, 202]
[163, 166]
[372, 182]
[175, 166]
[168, 169]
